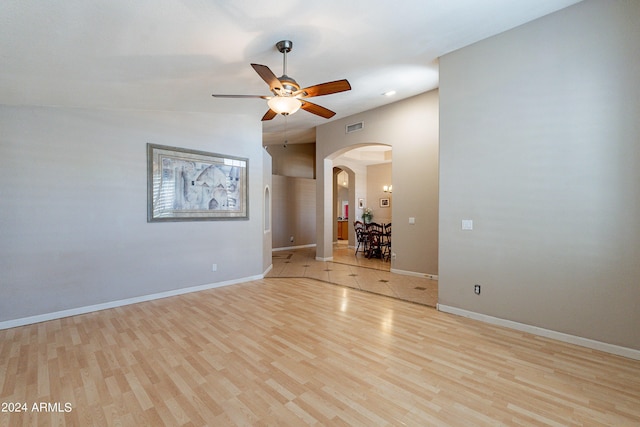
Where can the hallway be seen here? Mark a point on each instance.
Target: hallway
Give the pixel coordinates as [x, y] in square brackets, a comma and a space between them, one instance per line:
[356, 272]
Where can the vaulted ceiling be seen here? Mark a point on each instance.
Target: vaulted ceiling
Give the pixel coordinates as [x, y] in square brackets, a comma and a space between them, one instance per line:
[173, 54]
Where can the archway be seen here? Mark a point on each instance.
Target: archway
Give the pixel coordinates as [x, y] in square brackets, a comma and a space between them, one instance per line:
[354, 160]
[344, 206]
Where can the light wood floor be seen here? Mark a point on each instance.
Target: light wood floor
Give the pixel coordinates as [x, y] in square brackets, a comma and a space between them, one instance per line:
[291, 352]
[355, 271]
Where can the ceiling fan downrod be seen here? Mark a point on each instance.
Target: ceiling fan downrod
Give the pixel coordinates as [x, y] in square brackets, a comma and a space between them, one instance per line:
[284, 47]
[288, 84]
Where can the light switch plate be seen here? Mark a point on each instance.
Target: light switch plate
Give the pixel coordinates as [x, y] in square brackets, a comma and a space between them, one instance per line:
[412, 220]
[467, 224]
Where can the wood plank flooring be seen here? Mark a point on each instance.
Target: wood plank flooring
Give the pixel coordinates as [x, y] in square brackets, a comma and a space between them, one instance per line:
[291, 352]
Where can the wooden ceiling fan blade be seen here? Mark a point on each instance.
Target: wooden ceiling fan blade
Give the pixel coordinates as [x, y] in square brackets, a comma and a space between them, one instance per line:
[217, 95]
[324, 89]
[267, 75]
[317, 110]
[269, 115]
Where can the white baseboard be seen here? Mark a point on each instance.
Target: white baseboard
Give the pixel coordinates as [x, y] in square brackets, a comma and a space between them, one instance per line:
[547, 333]
[330, 258]
[264, 274]
[414, 274]
[288, 248]
[119, 303]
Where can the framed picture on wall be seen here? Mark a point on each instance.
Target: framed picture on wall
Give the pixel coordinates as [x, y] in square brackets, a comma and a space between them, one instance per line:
[191, 185]
[361, 203]
[384, 203]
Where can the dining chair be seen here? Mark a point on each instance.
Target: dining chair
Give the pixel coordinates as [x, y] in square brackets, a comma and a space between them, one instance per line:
[386, 242]
[374, 235]
[362, 237]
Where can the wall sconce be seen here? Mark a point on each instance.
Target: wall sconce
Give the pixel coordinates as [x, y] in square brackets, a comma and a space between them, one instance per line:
[387, 188]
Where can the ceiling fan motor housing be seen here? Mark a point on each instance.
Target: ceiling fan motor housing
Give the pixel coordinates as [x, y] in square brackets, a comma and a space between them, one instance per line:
[284, 46]
[288, 86]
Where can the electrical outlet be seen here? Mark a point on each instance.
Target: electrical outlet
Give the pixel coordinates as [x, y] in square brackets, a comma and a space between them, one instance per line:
[476, 289]
[214, 267]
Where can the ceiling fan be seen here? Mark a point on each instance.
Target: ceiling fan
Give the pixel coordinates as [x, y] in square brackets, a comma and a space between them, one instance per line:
[287, 96]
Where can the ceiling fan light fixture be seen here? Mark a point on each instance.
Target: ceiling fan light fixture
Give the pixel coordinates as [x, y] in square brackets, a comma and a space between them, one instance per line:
[286, 91]
[284, 105]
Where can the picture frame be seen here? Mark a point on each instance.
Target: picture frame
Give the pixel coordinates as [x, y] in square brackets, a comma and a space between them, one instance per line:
[193, 185]
[385, 203]
[361, 203]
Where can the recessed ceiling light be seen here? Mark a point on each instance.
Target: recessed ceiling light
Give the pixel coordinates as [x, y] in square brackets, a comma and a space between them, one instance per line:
[389, 93]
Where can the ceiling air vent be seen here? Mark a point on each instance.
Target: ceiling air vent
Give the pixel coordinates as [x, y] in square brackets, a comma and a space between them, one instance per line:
[354, 127]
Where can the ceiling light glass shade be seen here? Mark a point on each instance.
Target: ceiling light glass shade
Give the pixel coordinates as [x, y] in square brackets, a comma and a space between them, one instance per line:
[284, 104]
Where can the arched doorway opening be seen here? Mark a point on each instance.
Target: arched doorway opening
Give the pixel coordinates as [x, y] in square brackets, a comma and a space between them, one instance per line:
[343, 203]
[358, 175]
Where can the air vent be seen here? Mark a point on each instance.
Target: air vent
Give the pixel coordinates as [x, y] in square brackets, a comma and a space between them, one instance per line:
[355, 127]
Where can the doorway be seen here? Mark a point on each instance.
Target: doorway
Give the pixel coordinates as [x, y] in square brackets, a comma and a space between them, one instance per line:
[341, 205]
[360, 175]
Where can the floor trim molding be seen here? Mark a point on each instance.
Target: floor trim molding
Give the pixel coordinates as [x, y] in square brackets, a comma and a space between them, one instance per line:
[547, 333]
[7, 324]
[414, 274]
[289, 248]
[264, 274]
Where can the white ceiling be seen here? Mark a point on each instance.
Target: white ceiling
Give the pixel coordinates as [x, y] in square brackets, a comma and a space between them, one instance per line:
[173, 54]
[366, 155]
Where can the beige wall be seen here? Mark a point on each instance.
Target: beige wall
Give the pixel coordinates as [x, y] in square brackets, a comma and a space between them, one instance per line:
[293, 195]
[410, 127]
[73, 225]
[294, 210]
[540, 148]
[377, 177]
[294, 160]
